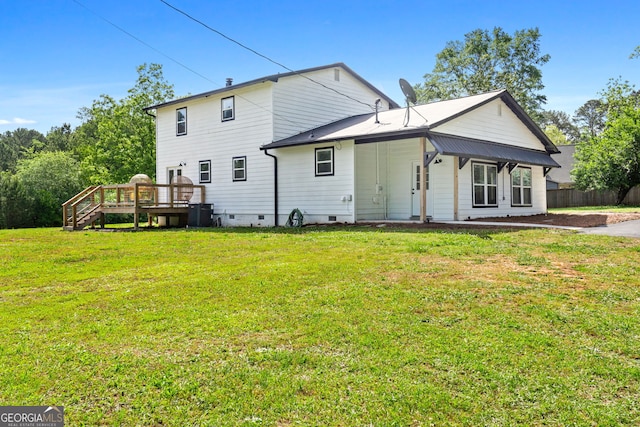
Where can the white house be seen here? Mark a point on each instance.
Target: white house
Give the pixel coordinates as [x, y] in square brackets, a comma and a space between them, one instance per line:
[326, 142]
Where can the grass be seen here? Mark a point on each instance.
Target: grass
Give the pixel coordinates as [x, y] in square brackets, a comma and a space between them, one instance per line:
[597, 209]
[352, 326]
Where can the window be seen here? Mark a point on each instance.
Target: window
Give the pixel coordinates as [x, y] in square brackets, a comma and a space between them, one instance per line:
[485, 187]
[205, 171]
[521, 187]
[227, 108]
[181, 121]
[324, 161]
[239, 167]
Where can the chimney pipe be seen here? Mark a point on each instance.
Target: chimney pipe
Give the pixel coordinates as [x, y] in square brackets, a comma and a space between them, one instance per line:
[229, 81]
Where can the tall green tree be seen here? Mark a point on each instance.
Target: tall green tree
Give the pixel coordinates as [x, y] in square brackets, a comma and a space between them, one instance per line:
[117, 137]
[590, 118]
[611, 160]
[558, 122]
[14, 145]
[15, 205]
[47, 180]
[487, 60]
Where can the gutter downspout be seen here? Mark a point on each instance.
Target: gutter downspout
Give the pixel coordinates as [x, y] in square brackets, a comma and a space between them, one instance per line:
[275, 186]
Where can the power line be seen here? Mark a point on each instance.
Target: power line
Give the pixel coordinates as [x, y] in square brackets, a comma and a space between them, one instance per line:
[262, 55]
[183, 65]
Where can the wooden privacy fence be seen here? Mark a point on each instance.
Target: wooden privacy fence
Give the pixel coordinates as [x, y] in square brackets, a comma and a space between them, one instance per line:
[572, 198]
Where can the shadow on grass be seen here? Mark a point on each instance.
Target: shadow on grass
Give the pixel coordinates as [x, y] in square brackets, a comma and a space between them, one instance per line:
[482, 231]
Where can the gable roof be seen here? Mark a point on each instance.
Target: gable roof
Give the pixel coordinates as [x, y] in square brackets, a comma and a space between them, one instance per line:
[394, 124]
[566, 160]
[274, 78]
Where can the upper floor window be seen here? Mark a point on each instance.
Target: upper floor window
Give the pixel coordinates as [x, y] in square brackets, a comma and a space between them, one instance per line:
[181, 121]
[324, 161]
[205, 171]
[228, 110]
[521, 187]
[485, 185]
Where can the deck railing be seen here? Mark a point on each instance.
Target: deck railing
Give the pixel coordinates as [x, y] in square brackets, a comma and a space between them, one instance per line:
[93, 202]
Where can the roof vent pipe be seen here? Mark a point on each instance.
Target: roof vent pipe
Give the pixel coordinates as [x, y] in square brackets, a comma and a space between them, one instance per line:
[229, 81]
[377, 104]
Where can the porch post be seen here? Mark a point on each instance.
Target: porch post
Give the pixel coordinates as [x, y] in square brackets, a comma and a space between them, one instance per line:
[423, 181]
[455, 188]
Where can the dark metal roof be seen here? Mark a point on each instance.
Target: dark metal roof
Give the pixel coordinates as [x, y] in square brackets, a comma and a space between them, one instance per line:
[274, 78]
[473, 148]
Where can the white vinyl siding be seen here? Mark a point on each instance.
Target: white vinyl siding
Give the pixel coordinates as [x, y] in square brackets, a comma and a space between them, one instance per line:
[493, 122]
[300, 104]
[317, 198]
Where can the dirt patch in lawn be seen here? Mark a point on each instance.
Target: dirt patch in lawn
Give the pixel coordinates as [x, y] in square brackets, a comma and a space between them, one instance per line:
[573, 220]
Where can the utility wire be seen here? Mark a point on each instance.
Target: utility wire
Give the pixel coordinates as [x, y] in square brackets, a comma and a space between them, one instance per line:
[143, 42]
[183, 65]
[262, 55]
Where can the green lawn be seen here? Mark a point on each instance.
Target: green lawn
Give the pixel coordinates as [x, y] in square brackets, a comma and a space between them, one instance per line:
[597, 209]
[322, 326]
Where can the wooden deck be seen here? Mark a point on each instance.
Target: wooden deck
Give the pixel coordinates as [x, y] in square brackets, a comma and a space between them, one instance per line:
[161, 200]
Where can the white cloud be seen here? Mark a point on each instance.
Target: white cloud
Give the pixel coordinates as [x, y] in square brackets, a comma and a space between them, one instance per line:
[17, 121]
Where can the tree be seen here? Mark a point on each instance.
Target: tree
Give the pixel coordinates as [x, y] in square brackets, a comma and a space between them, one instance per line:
[590, 118]
[47, 180]
[486, 61]
[17, 144]
[117, 138]
[559, 122]
[15, 207]
[555, 135]
[611, 160]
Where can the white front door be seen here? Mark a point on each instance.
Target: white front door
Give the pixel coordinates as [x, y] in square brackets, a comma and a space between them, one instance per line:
[415, 191]
[415, 188]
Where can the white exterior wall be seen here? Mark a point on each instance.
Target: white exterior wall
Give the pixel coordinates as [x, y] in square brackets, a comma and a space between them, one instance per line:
[300, 104]
[492, 122]
[317, 197]
[371, 181]
[504, 208]
[209, 138]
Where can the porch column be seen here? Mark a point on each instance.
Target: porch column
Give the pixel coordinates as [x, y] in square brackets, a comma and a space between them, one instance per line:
[423, 180]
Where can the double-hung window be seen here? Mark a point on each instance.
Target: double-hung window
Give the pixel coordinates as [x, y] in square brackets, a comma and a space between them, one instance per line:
[228, 110]
[205, 171]
[521, 187]
[485, 185]
[324, 161]
[239, 166]
[181, 121]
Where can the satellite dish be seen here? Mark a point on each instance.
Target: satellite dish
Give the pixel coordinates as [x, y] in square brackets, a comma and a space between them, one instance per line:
[408, 91]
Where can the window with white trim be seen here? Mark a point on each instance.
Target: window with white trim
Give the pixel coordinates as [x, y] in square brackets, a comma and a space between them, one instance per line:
[181, 121]
[239, 167]
[205, 171]
[228, 110]
[485, 185]
[521, 184]
[324, 161]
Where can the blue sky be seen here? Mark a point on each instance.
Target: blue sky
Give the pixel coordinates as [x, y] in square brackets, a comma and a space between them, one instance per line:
[57, 56]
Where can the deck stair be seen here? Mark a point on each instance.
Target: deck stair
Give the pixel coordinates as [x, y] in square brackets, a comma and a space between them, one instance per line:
[90, 205]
